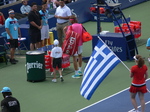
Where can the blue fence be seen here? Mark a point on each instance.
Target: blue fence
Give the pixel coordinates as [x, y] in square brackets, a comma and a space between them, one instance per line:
[80, 8]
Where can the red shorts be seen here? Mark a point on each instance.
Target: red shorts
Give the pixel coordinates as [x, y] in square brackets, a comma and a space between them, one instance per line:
[135, 89]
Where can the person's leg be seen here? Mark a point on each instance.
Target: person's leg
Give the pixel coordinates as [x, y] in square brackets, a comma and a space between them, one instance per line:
[45, 42]
[134, 103]
[59, 65]
[59, 34]
[32, 41]
[75, 64]
[54, 73]
[142, 101]
[32, 46]
[12, 51]
[60, 73]
[80, 60]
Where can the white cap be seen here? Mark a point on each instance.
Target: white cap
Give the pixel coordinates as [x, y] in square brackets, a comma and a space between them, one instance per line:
[56, 42]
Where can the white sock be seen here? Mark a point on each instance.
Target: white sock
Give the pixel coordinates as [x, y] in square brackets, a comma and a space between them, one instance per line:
[76, 72]
[60, 76]
[80, 68]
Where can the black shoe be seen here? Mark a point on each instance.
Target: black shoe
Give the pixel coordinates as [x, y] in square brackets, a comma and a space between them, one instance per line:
[61, 79]
[12, 61]
[15, 60]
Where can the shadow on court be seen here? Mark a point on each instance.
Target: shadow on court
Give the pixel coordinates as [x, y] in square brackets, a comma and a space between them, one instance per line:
[119, 102]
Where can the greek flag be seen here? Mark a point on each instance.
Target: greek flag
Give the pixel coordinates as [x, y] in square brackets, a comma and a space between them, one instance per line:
[100, 64]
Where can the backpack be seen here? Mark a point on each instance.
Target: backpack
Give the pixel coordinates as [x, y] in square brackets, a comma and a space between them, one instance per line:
[70, 43]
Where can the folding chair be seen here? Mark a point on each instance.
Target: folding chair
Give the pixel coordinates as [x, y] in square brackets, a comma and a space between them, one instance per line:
[6, 43]
[22, 44]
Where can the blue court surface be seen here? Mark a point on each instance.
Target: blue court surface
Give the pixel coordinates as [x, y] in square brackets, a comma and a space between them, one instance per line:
[119, 102]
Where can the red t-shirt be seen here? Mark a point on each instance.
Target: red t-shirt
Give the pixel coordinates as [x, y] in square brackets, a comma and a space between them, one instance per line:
[138, 74]
[1, 20]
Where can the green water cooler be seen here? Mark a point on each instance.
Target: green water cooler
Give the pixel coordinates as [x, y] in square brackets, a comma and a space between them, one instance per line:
[35, 66]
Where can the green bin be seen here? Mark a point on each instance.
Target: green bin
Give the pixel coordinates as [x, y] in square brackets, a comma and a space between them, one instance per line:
[35, 66]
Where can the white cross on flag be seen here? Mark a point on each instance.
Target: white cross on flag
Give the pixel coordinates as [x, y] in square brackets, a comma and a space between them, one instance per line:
[100, 64]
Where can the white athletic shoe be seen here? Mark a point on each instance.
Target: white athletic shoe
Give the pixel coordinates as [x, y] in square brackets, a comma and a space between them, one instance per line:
[54, 80]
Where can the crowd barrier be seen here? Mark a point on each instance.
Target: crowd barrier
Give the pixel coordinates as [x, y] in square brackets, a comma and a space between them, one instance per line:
[81, 8]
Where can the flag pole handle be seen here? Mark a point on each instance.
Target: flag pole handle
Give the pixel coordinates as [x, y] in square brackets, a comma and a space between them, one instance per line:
[114, 53]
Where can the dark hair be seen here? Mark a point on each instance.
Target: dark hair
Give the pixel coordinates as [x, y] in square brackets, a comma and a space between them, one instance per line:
[10, 10]
[43, 3]
[34, 3]
[140, 61]
[74, 18]
[60, 0]
[6, 94]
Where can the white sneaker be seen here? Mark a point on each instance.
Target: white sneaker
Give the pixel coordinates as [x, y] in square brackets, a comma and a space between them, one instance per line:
[149, 60]
[54, 80]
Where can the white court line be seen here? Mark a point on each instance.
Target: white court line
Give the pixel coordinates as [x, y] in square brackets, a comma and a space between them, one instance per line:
[139, 106]
[106, 99]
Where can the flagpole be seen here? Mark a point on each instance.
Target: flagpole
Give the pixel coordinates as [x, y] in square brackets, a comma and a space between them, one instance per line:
[113, 53]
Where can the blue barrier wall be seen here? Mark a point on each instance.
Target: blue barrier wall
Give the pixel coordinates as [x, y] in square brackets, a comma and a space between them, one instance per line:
[16, 7]
[81, 8]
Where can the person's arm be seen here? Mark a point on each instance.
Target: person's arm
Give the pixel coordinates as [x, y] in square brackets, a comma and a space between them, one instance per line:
[3, 107]
[34, 24]
[31, 21]
[146, 75]
[8, 32]
[19, 32]
[22, 10]
[131, 74]
[60, 17]
[2, 16]
[148, 44]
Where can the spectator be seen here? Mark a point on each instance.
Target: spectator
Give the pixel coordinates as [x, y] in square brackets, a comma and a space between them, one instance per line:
[52, 4]
[45, 27]
[25, 8]
[56, 55]
[35, 21]
[12, 1]
[62, 14]
[13, 31]
[2, 19]
[67, 1]
[148, 44]
[77, 58]
[9, 103]
[139, 74]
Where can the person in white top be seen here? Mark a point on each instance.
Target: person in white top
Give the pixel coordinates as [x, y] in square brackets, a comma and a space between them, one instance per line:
[62, 14]
[25, 8]
[56, 55]
[12, 1]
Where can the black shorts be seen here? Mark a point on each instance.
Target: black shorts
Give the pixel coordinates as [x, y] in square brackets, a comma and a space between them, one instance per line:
[13, 43]
[35, 36]
[57, 62]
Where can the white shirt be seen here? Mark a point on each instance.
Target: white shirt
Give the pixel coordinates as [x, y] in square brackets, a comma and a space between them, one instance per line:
[56, 52]
[64, 12]
[25, 9]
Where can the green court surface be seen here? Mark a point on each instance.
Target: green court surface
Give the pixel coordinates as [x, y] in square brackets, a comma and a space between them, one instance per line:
[46, 96]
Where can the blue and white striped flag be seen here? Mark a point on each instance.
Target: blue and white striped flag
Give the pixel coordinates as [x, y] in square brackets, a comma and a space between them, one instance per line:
[100, 64]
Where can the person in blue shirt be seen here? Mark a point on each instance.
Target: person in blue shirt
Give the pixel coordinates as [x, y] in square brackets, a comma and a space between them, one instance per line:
[148, 44]
[45, 27]
[13, 32]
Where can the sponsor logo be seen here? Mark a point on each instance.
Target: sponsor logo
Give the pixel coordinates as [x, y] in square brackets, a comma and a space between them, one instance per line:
[34, 65]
